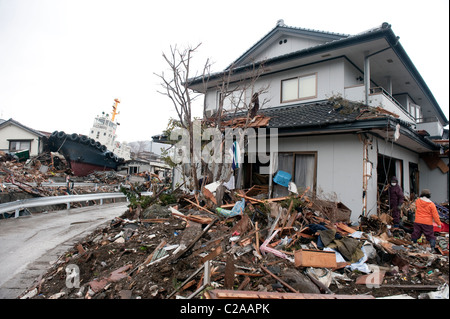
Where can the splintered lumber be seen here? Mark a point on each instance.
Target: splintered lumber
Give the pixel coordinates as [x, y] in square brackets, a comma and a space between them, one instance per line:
[149, 258]
[238, 294]
[345, 228]
[194, 218]
[251, 199]
[244, 283]
[209, 195]
[375, 279]
[315, 258]
[154, 220]
[212, 255]
[199, 207]
[229, 272]
[186, 281]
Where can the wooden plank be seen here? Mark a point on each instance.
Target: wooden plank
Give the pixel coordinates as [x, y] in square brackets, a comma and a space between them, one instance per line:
[209, 195]
[212, 255]
[154, 220]
[229, 273]
[244, 283]
[251, 199]
[149, 258]
[292, 219]
[199, 219]
[345, 228]
[443, 252]
[237, 294]
[199, 207]
[315, 258]
[372, 279]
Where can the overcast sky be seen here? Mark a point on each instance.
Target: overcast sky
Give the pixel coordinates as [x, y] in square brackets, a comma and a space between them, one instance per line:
[62, 62]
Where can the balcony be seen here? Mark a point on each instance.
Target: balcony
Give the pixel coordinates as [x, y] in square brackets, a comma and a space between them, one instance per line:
[431, 125]
[378, 97]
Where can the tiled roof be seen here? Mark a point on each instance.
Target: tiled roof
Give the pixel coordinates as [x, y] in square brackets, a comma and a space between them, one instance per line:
[14, 122]
[319, 114]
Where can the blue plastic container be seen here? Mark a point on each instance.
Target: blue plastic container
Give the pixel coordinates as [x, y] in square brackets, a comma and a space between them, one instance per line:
[282, 178]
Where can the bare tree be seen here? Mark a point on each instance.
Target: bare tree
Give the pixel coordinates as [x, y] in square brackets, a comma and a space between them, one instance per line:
[176, 87]
[233, 98]
[235, 93]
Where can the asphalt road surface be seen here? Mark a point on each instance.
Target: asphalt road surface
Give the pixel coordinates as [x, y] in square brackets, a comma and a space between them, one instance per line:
[30, 245]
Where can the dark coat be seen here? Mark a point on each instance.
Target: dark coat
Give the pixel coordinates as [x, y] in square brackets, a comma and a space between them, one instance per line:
[396, 196]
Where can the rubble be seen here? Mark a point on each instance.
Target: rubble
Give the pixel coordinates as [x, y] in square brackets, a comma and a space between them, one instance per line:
[295, 247]
[48, 175]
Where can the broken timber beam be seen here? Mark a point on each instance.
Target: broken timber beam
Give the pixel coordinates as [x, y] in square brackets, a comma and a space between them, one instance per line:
[237, 294]
[315, 258]
[200, 207]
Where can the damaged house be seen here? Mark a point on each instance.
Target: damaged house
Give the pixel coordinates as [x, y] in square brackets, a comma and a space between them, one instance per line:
[16, 137]
[351, 111]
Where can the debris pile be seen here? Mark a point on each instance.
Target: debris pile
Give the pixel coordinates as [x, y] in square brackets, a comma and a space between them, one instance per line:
[47, 175]
[176, 245]
[33, 180]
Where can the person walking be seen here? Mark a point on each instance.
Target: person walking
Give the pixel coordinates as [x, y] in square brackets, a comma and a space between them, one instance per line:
[426, 212]
[396, 199]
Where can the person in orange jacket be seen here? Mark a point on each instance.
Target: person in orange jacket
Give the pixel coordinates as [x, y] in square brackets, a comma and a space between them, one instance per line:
[426, 212]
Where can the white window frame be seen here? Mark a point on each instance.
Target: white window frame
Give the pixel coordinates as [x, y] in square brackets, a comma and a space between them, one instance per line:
[298, 95]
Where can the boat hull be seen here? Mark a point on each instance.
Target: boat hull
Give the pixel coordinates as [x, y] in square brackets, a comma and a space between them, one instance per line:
[83, 154]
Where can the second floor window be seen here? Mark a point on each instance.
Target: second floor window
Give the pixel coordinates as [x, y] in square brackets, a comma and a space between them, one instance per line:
[299, 88]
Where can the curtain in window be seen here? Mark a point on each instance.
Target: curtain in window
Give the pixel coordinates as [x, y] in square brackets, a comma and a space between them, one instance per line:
[304, 171]
[289, 90]
[307, 86]
[286, 164]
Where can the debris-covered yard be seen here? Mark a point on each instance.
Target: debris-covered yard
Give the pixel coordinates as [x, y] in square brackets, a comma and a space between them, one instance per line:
[178, 245]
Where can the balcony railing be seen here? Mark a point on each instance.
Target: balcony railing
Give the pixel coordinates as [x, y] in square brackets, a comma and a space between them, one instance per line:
[380, 90]
[379, 97]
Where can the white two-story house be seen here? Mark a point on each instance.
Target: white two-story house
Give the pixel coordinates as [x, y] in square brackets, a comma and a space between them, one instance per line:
[351, 112]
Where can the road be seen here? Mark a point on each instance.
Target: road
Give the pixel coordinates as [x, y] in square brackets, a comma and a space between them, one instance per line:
[29, 245]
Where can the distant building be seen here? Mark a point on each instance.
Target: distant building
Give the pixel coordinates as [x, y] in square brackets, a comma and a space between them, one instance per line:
[15, 137]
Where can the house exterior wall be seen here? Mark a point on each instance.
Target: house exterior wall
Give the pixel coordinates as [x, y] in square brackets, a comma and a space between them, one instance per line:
[292, 44]
[12, 132]
[339, 166]
[434, 180]
[351, 74]
[330, 82]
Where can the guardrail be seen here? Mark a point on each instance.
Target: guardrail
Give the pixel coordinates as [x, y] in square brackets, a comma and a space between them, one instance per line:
[18, 205]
